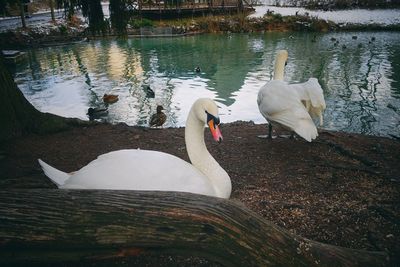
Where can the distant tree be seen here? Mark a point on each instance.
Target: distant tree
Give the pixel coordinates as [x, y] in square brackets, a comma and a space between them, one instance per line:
[51, 5]
[3, 7]
[19, 3]
[93, 10]
[22, 11]
[120, 14]
[69, 7]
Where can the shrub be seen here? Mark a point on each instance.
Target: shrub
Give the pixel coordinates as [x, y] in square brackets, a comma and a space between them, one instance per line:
[63, 29]
[137, 23]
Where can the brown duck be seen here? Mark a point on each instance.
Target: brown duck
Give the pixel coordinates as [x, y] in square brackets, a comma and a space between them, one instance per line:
[159, 118]
[109, 99]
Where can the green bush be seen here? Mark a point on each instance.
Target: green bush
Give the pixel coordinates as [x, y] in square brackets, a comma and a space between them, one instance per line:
[63, 29]
[137, 23]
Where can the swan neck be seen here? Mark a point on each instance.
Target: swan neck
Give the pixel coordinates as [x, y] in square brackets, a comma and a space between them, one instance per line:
[279, 69]
[194, 139]
[202, 159]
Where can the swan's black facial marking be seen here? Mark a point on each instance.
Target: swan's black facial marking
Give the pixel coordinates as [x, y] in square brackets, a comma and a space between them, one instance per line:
[213, 118]
[213, 123]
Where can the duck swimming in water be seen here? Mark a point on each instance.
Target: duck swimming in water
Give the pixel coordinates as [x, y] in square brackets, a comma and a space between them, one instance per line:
[109, 99]
[94, 113]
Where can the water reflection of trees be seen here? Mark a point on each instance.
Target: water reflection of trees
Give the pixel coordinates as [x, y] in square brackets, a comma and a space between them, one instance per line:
[224, 60]
[359, 82]
[355, 78]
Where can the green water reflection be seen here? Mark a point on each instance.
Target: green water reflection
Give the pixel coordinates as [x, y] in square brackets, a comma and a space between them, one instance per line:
[361, 81]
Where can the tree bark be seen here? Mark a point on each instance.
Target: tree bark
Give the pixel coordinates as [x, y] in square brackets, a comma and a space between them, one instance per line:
[22, 13]
[49, 225]
[51, 4]
[18, 116]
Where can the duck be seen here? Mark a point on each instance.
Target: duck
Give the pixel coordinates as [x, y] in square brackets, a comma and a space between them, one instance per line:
[312, 97]
[159, 118]
[149, 92]
[280, 105]
[109, 99]
[136, 169]
[96, 112]
[197, 69]
[314, 39]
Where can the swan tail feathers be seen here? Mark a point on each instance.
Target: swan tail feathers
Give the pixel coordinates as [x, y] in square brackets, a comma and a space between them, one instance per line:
[317, 113]
[56, 176]
[307, 130]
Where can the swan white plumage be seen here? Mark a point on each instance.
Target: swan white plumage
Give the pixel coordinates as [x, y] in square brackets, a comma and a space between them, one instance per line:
[134, 169]
[280, 104]
[312, 96]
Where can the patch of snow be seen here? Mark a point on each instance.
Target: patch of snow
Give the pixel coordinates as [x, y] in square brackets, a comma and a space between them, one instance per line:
[354, 16]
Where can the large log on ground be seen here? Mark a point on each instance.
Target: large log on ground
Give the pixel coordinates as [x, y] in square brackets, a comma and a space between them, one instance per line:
[45, 225]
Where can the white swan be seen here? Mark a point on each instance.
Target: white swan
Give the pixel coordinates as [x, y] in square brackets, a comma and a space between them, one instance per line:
[282, 105]
[134, 169]
[312, 96]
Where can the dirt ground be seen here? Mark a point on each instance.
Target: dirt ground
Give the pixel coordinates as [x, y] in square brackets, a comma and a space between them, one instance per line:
[342, 189]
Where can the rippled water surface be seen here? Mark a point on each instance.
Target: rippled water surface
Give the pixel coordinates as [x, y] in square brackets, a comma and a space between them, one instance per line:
[361, 82]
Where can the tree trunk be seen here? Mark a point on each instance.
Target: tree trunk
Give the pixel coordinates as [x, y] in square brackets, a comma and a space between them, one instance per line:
[49, 225]
[18, 116]
[51, 4]
[22, 13]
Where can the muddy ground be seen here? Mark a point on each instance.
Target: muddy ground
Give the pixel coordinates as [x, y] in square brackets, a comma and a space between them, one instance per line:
[342, 189]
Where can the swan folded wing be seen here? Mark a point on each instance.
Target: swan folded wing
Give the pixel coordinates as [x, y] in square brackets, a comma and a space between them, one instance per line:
[317, 99]
[140, 170]
[312, 96]
[315, 93]
[298, 120]
[285, 108]
[275, 97]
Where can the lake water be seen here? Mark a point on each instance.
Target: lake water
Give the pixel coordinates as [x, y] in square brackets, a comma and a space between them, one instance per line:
[361, 82]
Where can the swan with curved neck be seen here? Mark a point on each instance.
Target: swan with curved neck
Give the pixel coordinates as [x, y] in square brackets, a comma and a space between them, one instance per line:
[134, 169]
[281, 105]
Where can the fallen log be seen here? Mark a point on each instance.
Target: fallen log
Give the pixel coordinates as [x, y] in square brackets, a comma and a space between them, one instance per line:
[49, 225]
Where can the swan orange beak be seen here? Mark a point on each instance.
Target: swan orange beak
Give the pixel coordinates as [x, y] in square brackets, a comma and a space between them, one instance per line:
[215, 131]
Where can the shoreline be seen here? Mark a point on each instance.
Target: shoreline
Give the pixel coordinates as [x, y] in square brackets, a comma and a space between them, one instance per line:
[53, 34]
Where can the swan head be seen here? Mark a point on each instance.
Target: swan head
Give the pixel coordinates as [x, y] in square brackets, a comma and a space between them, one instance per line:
[282, 55]
[206, 111]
